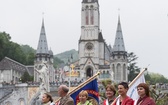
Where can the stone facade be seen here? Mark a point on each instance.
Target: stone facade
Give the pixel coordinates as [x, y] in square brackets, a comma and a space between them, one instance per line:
[94, 54]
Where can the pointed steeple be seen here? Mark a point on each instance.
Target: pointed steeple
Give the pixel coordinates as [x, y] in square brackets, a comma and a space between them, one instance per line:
[42, 44]
[89, 1]
[119, 40]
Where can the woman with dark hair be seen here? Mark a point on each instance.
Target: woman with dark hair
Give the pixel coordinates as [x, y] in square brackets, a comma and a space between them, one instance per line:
[123, 99]
[110, 94]
[47, 99]
[143, 92]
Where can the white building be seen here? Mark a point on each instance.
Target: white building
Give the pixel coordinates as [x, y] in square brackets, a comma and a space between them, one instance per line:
[11, 71]
[94, 54]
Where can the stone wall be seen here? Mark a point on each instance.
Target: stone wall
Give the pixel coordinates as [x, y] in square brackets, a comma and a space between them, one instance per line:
[23, 94]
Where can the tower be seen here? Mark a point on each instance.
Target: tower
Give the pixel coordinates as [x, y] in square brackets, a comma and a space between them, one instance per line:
[92, 47]
[119, 56]
[44, 55]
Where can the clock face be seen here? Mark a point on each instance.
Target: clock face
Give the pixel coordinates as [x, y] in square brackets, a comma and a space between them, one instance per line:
[89, 46]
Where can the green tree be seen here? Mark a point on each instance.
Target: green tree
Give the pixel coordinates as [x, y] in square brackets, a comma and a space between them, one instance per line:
[26, 77]
[29, 52]
[132, 68]
[10, 49]
[30, 59]
[154, 78]
[4, 43]
[160, 98]
[147, 78]
[23, 54]
[15, 52]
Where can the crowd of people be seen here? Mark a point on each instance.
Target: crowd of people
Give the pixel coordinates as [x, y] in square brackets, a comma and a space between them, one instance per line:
[112, 99]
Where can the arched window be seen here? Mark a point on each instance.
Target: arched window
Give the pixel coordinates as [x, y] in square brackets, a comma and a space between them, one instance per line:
[118, 76]
[91, 15]
[21, 101]
[87, 15]
[124, 72]
[114, 71]
[104, 74]
[108, 74]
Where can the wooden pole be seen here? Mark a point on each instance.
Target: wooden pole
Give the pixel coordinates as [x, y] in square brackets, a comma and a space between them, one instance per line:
[133, 81]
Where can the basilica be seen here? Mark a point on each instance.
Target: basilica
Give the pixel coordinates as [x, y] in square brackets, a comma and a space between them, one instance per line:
[94, 54]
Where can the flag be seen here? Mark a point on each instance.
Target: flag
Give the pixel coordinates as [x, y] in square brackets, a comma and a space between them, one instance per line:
[132, 92]
[91, 88]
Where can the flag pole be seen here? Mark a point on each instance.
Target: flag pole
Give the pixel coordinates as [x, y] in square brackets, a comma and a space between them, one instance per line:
[81, 85]
[133, 81]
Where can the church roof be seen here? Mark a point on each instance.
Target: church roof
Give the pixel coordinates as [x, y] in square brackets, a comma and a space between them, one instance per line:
[8, 64]
[119, 40]
[42, 44]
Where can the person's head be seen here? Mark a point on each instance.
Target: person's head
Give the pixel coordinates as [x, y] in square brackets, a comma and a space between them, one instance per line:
[46, 98]
[62, 90]
[110, 91]
[83, 96]
[143, 90]
[122, 88]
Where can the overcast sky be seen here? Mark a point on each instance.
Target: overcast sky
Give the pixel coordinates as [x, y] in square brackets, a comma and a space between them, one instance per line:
[144, 25]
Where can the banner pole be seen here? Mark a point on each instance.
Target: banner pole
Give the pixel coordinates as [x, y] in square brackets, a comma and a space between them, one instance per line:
[137, 76]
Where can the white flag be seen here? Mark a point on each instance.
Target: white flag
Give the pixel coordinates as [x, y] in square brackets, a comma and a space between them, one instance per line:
[132, 92]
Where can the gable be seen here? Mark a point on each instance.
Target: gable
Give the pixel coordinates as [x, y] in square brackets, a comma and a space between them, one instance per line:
[8, 64]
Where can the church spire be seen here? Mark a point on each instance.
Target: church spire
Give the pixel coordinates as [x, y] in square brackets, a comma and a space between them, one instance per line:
[119, 40]
[42, 44]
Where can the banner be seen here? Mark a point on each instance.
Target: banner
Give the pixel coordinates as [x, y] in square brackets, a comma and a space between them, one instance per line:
[132, 92]
[91, 88]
